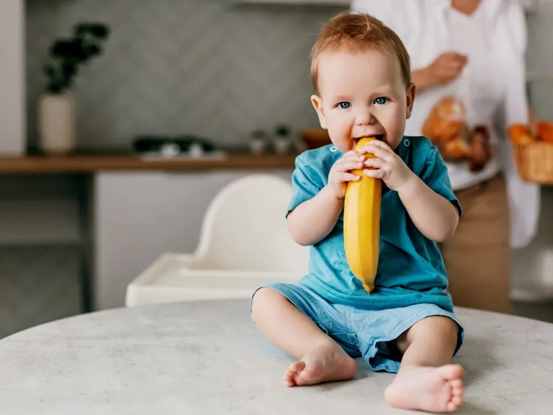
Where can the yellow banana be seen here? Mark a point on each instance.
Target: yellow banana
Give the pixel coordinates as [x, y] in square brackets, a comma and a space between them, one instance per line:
[362, 224]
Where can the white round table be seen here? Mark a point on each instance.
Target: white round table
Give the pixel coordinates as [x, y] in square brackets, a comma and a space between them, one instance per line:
[208, 358]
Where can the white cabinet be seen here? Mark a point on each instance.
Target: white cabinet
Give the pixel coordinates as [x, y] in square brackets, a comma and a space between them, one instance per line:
[138, 216]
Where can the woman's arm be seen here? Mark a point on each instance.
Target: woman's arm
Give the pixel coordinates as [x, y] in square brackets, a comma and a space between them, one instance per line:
[445, 68]
[422, 79]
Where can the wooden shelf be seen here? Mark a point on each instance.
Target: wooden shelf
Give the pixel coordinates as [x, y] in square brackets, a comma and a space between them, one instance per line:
[93, 163]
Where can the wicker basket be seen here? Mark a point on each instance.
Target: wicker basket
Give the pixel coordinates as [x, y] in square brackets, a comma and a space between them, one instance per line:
[535, 162]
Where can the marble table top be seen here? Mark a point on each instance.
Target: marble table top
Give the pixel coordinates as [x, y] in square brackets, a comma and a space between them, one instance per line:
[208, 358]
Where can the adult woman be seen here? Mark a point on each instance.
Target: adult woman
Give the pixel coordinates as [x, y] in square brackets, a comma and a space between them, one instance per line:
[473, 50]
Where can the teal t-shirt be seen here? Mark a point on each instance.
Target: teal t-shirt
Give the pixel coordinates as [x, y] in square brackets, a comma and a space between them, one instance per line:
[411, 269]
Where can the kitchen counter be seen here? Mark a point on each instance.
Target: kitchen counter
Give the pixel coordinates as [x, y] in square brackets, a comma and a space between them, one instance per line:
[127, 162]
[207, 357]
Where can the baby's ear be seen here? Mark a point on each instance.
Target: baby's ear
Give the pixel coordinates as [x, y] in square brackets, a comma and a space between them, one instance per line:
[317, 103]
[410, 96]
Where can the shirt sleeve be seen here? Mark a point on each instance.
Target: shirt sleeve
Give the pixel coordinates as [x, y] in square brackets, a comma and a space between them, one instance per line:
[306, 181]
[434, 174]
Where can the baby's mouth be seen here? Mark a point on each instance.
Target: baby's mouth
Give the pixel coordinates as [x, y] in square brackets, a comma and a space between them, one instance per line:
[377, 136]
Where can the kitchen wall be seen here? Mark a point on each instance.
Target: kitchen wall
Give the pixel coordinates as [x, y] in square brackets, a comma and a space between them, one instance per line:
[206, 67]
[12, 113]
[540, 60]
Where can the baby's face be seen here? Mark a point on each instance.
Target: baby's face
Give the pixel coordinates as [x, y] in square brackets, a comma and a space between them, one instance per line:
[362, 94]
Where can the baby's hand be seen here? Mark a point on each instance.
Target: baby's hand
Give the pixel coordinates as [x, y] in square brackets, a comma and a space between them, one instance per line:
[340, 173]
[386, 165]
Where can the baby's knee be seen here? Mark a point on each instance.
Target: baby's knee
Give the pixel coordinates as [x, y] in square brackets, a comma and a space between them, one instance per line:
[264, 298]
[440, 326]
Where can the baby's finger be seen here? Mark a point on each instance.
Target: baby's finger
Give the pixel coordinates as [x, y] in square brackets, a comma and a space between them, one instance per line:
[380, 144]
[374, 173]
[350, 156]
[377, 152]
[374, 163]
[349, 165]
[348, 177]
[349, 160]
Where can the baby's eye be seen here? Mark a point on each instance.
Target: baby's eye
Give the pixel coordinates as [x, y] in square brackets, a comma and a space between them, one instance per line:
[343, 105]
[381, 100]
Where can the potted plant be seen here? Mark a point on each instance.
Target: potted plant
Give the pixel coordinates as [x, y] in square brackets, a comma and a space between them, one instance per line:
[282, 141]
[258, 142]
[56, 107]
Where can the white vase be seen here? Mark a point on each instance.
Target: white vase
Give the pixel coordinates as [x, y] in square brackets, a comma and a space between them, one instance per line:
[281, 145]
[56, 123]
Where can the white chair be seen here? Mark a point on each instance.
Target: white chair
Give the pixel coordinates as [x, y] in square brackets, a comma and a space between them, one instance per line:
[244, 243]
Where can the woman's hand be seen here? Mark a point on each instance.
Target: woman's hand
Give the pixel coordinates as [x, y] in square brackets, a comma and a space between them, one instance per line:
[446, 67]
[340, 174]
[386, 165]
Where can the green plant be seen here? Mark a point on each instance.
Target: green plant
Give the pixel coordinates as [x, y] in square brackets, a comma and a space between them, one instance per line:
[65, 55]
[282, 130]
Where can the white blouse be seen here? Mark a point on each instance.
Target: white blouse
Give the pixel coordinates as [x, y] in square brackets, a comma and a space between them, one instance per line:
[492, 84]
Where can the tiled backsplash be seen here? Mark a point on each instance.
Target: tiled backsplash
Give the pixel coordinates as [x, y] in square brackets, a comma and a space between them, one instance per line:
[181, 66]
[205, 67]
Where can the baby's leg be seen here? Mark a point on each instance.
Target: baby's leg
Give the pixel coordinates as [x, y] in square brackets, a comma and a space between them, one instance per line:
[320, 358]
[425, 380]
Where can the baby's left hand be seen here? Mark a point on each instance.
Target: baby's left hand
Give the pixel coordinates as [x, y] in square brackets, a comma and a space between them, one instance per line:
[385, 165]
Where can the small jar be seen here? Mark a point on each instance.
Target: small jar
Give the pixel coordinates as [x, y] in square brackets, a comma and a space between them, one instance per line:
[258, 142]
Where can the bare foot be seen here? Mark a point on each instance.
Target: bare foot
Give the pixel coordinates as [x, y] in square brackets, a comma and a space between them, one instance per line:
[434, 389]
[323, 364]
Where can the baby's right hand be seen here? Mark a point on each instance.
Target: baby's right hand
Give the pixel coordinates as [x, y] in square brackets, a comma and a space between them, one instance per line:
[340, 173]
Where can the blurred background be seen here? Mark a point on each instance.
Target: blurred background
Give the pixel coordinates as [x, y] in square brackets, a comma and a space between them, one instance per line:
[180, 98]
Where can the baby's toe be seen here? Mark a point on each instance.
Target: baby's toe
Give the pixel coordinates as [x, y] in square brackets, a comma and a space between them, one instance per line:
[457, 387]
[289, 379]
[456, 400]
[292, 373]
[452, 372]
[457, 390]
[451, 407]
[456, 384]
[296, 367]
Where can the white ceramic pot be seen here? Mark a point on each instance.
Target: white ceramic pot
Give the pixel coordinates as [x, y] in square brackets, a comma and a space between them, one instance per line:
[281, 145]
[257, 146]
[56, 122]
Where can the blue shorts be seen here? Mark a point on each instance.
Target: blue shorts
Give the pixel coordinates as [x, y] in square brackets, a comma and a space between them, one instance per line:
[369, 334]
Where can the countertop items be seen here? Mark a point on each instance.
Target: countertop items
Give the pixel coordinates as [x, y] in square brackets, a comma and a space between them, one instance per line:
[186, 146]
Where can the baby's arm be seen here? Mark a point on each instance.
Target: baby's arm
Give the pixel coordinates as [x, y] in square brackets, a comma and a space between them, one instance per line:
[432, 214]
[313, 219]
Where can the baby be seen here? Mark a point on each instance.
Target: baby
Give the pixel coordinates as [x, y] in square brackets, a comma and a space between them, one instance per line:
[362, 80]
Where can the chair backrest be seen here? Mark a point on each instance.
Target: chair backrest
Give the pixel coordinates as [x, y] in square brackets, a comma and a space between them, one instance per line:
[245, 228]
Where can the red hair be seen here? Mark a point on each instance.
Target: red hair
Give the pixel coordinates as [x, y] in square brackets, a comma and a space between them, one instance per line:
[359, 32]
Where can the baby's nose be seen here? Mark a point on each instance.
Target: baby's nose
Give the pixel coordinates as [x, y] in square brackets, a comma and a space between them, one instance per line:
[364, 117]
